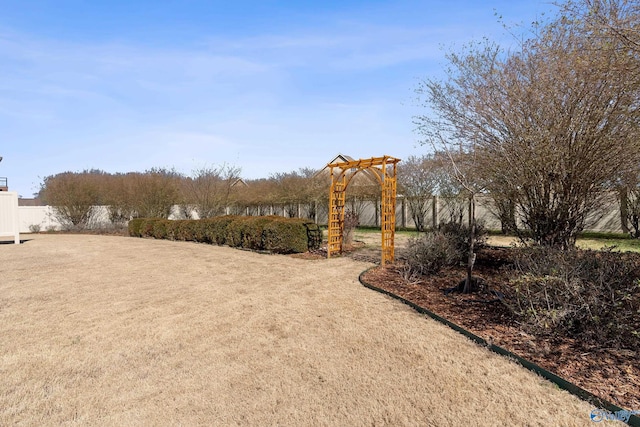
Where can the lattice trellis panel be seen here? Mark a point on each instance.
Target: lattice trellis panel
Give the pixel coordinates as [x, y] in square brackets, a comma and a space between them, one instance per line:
[384, 169]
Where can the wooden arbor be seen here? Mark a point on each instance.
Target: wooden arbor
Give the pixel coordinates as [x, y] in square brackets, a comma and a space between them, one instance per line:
[384, 169]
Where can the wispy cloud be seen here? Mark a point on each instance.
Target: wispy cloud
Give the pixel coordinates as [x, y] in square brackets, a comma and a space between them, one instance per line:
[273, 99]
[350, 45]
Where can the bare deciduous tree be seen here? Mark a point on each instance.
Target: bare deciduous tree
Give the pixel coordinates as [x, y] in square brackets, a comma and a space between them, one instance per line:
[156, 191]
[462, 167]
[611, 20]
[208, 190]
[551, 126]
[73, 197]
[289, 190]
[418, 182]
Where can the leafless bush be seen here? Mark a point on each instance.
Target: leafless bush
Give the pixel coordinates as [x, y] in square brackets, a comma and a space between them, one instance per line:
[430, 252]
[594, 295]
[460, 234]
[351, 221]
[408, 274]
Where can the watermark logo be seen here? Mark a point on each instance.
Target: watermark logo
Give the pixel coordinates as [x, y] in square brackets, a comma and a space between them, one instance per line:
[598, 415]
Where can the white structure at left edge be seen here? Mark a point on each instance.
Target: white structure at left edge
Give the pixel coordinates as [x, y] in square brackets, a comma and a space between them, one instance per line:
[9, 221]
[9, 217]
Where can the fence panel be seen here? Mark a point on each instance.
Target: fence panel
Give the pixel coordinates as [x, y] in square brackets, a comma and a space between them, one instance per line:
[37, 218]
[9, 222]
[369, 210]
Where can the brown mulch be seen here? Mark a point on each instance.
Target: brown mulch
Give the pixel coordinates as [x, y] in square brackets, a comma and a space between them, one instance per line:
[611, 374]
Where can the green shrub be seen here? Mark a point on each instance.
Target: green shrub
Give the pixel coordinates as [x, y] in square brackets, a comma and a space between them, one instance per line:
[186, 230]
[196, 231]
[146, 229]
[286, 235]
[135, 226]
[314, 235]
[160, 229]
[253, 232]
[215, 229]
[590, 295]
[206, 229]
[173, 231]
[277, 234]
[235, 231]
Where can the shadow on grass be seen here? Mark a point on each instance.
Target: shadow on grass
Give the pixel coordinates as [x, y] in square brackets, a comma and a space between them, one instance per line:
[12, 242]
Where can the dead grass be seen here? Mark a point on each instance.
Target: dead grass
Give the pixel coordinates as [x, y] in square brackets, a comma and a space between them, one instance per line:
[116, 331]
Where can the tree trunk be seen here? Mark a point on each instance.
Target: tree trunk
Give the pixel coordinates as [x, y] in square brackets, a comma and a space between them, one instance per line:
[471, 260]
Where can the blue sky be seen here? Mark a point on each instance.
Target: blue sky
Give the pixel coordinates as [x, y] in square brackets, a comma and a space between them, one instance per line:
[268, 86]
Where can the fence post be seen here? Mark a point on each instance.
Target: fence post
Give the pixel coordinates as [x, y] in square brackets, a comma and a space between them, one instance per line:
[434, 212]
[315, 211]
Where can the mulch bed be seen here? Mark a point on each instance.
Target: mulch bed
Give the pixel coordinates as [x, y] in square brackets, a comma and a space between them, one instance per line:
[611, 374]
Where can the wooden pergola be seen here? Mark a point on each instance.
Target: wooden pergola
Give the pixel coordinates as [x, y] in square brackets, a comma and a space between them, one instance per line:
[384, 169]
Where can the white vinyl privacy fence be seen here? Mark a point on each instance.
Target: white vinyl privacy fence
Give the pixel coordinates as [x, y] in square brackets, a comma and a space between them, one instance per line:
[438, 210]
[37, 218]
[9, 217]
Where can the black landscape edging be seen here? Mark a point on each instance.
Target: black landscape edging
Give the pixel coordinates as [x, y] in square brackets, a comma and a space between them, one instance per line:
[579, 392]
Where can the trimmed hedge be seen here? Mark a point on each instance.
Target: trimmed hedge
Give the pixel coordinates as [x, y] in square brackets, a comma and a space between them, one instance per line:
[135, 227]
[286, 236]
[216, 229]
[271, 233]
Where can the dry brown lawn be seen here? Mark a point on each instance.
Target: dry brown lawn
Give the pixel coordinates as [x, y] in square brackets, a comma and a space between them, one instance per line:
[115, 331]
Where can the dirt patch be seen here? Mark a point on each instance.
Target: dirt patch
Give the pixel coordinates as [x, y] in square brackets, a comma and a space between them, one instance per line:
[102, 330]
